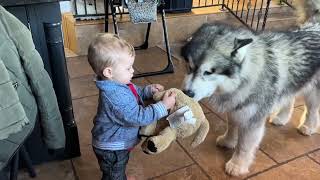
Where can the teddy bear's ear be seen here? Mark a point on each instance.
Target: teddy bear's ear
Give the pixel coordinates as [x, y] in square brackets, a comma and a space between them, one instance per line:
[158, 96]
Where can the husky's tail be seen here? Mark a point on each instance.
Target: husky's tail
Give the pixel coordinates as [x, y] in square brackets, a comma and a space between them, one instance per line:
[307, 11]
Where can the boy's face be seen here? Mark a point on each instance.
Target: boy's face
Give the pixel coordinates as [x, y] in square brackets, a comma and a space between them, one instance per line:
[123, 70]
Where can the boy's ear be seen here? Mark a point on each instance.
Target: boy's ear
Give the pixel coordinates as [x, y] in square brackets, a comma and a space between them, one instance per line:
[107, 72]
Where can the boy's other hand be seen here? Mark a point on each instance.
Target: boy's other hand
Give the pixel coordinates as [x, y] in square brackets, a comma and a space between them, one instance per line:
[156, 88]
[169, 99]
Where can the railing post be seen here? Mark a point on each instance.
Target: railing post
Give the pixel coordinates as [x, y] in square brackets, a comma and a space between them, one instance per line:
[266, 15]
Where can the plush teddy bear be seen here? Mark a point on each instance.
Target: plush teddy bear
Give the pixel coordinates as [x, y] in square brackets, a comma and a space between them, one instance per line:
[186, 118]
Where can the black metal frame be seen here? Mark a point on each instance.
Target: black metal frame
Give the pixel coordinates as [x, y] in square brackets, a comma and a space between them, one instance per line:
[22, 152]
[169, 68]
[235, 7]
[282, 2]
[244, 19]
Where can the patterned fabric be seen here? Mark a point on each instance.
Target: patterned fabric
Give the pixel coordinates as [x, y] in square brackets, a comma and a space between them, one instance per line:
[142, 11]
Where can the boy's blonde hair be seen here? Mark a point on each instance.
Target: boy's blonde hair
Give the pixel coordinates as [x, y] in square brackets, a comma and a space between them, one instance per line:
[104, 51]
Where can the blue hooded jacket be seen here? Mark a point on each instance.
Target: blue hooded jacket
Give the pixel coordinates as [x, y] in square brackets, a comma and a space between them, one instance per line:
[119, 116]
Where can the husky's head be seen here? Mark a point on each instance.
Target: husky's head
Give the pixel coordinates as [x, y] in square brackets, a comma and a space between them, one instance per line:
[215, 55]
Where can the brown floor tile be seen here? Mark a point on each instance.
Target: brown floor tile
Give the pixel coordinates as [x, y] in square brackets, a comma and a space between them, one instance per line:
[284, 143]
[144, 166]
[61, 170]
[86, 166]
[301, 168]
[181, 28]
[151, 59]
[78, 66]
[170, 80]
[315, 156]
[299, 101]
[189, 173]
[175, 50]
[212, 158]
[83, 86]
[204, 108]
[84, 112]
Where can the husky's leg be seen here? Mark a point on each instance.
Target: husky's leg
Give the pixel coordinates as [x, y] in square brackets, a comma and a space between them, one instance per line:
[284, 115]
[311, 123]
[230, 138]
[250, 136]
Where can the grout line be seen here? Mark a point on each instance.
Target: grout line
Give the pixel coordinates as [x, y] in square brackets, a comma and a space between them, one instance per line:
[195, 162]
[78, 98]
[224, 120]
[172, 171]
[74, 171]
[282, 163]
[268, 155]
[313, 159]
[74, 58]
[82, 76]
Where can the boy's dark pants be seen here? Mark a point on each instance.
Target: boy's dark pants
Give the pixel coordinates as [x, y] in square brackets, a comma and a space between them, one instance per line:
[112, 163]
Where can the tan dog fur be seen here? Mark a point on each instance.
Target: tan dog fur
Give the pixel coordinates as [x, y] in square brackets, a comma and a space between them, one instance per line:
[160, 142]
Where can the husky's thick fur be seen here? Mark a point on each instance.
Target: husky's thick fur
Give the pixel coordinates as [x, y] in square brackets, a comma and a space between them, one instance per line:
[250, 76]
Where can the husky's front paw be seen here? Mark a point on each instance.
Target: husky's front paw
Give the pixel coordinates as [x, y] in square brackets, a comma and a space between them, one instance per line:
[278, 121]
[223, 142]
[307, 131]
[234, 168]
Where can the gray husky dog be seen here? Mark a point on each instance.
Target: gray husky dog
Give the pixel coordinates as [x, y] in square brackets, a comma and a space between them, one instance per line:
[250, 76]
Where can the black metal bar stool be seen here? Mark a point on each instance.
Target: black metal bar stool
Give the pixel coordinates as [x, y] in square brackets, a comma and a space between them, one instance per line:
[169, 68]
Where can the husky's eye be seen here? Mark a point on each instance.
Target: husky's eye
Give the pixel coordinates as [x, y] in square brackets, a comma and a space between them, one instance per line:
[227, 72]
[206, 73]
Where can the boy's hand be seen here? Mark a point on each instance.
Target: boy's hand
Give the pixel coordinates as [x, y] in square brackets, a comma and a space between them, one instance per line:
[156, 88]
[169, 99]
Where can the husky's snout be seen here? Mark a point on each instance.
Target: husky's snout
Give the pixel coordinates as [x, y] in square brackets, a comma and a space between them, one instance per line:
[188, 93]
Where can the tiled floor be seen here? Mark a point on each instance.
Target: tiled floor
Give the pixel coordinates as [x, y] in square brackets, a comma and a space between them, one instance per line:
[283, 154]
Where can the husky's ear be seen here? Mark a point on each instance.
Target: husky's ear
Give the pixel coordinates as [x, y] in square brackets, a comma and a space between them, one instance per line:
[240, 49]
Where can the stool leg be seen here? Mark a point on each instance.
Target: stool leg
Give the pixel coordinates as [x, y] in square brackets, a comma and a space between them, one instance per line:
[25, 157]
[146, 40]
[169, 67]
[14, 167]
[114, 18]
[106, 15]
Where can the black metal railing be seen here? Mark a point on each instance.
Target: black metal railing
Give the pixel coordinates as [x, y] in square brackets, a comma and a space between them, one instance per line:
[94, 9]
[206, 3]
[252, 13]
[286, 2]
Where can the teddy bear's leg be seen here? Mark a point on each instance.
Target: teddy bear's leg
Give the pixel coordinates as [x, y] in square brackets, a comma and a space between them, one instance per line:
[201, 133]
[230, 138]
[148, 130]
[157, 144]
